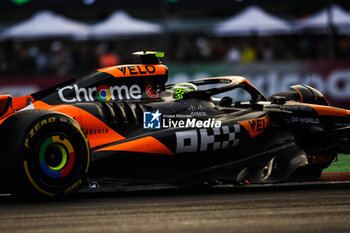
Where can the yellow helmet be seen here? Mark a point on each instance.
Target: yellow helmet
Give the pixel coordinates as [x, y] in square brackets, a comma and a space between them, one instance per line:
[180, 89]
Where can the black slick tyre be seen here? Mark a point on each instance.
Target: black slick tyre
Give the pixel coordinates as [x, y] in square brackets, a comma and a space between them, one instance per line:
[46, 154]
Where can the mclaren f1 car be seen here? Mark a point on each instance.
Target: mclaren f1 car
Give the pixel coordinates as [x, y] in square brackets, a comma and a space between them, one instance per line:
[123, 126]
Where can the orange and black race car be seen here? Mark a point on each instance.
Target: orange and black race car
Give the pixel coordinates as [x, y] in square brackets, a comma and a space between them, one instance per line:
[122, 126]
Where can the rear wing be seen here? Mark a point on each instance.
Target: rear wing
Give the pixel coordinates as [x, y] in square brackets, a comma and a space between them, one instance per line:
[9, 105]
[150, 57]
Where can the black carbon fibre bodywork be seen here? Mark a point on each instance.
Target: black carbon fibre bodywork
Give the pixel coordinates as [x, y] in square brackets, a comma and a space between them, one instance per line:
[284, 151]
[139, 134]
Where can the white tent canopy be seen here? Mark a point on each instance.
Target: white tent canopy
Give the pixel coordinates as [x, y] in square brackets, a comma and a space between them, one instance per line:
[120, 24]
[320, 20]
[45, 24]
[252, 20]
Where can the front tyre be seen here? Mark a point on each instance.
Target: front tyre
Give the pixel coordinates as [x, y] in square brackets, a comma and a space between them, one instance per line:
[47, 153]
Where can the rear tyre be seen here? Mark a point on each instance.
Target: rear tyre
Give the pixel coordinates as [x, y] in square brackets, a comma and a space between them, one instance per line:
[47, 154]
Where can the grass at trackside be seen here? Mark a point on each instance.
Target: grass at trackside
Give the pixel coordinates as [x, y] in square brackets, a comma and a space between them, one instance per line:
[342, 165]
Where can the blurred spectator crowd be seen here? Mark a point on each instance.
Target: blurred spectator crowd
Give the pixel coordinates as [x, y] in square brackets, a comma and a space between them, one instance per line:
[74, 57]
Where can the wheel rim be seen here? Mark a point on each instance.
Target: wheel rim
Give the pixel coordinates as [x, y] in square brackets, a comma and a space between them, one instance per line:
[56, 156]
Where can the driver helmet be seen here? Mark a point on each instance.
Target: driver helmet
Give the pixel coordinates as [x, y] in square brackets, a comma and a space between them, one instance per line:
[180, 89]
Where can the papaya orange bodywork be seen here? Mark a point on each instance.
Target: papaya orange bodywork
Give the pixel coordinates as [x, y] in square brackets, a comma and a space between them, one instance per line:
[87, 122]
[330, 111]
[255, 126]
[144, 145]
[134, 70]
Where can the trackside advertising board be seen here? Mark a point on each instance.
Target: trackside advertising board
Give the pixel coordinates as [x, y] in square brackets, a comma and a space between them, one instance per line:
[330, 78]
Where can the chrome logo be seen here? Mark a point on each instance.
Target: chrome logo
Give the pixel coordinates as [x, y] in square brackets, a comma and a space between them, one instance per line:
[103, 93]
[74, 93]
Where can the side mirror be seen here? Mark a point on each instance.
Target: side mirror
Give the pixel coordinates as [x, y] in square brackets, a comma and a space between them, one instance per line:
[278, 100]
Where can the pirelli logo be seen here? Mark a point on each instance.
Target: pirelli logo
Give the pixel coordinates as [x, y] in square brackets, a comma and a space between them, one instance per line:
[207, 139]
[36, 128]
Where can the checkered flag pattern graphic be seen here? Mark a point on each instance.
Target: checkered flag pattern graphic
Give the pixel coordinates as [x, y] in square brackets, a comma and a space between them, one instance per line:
[219, 138]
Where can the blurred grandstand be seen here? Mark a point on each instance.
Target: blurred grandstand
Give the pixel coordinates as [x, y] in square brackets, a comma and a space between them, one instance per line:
[319, 56]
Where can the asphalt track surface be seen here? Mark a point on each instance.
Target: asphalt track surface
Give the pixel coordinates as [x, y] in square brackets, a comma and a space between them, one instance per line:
[314, 208]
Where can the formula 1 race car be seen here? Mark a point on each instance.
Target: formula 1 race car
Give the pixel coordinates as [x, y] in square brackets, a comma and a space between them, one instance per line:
[123, 126]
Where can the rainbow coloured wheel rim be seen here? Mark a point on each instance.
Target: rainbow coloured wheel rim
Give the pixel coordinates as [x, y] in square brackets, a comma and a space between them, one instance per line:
[56, 156]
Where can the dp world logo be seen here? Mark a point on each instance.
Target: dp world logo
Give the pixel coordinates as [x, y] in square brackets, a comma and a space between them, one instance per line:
[151, 120]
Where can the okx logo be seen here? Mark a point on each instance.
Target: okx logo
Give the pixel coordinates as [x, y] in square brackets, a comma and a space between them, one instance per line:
[151, 120]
